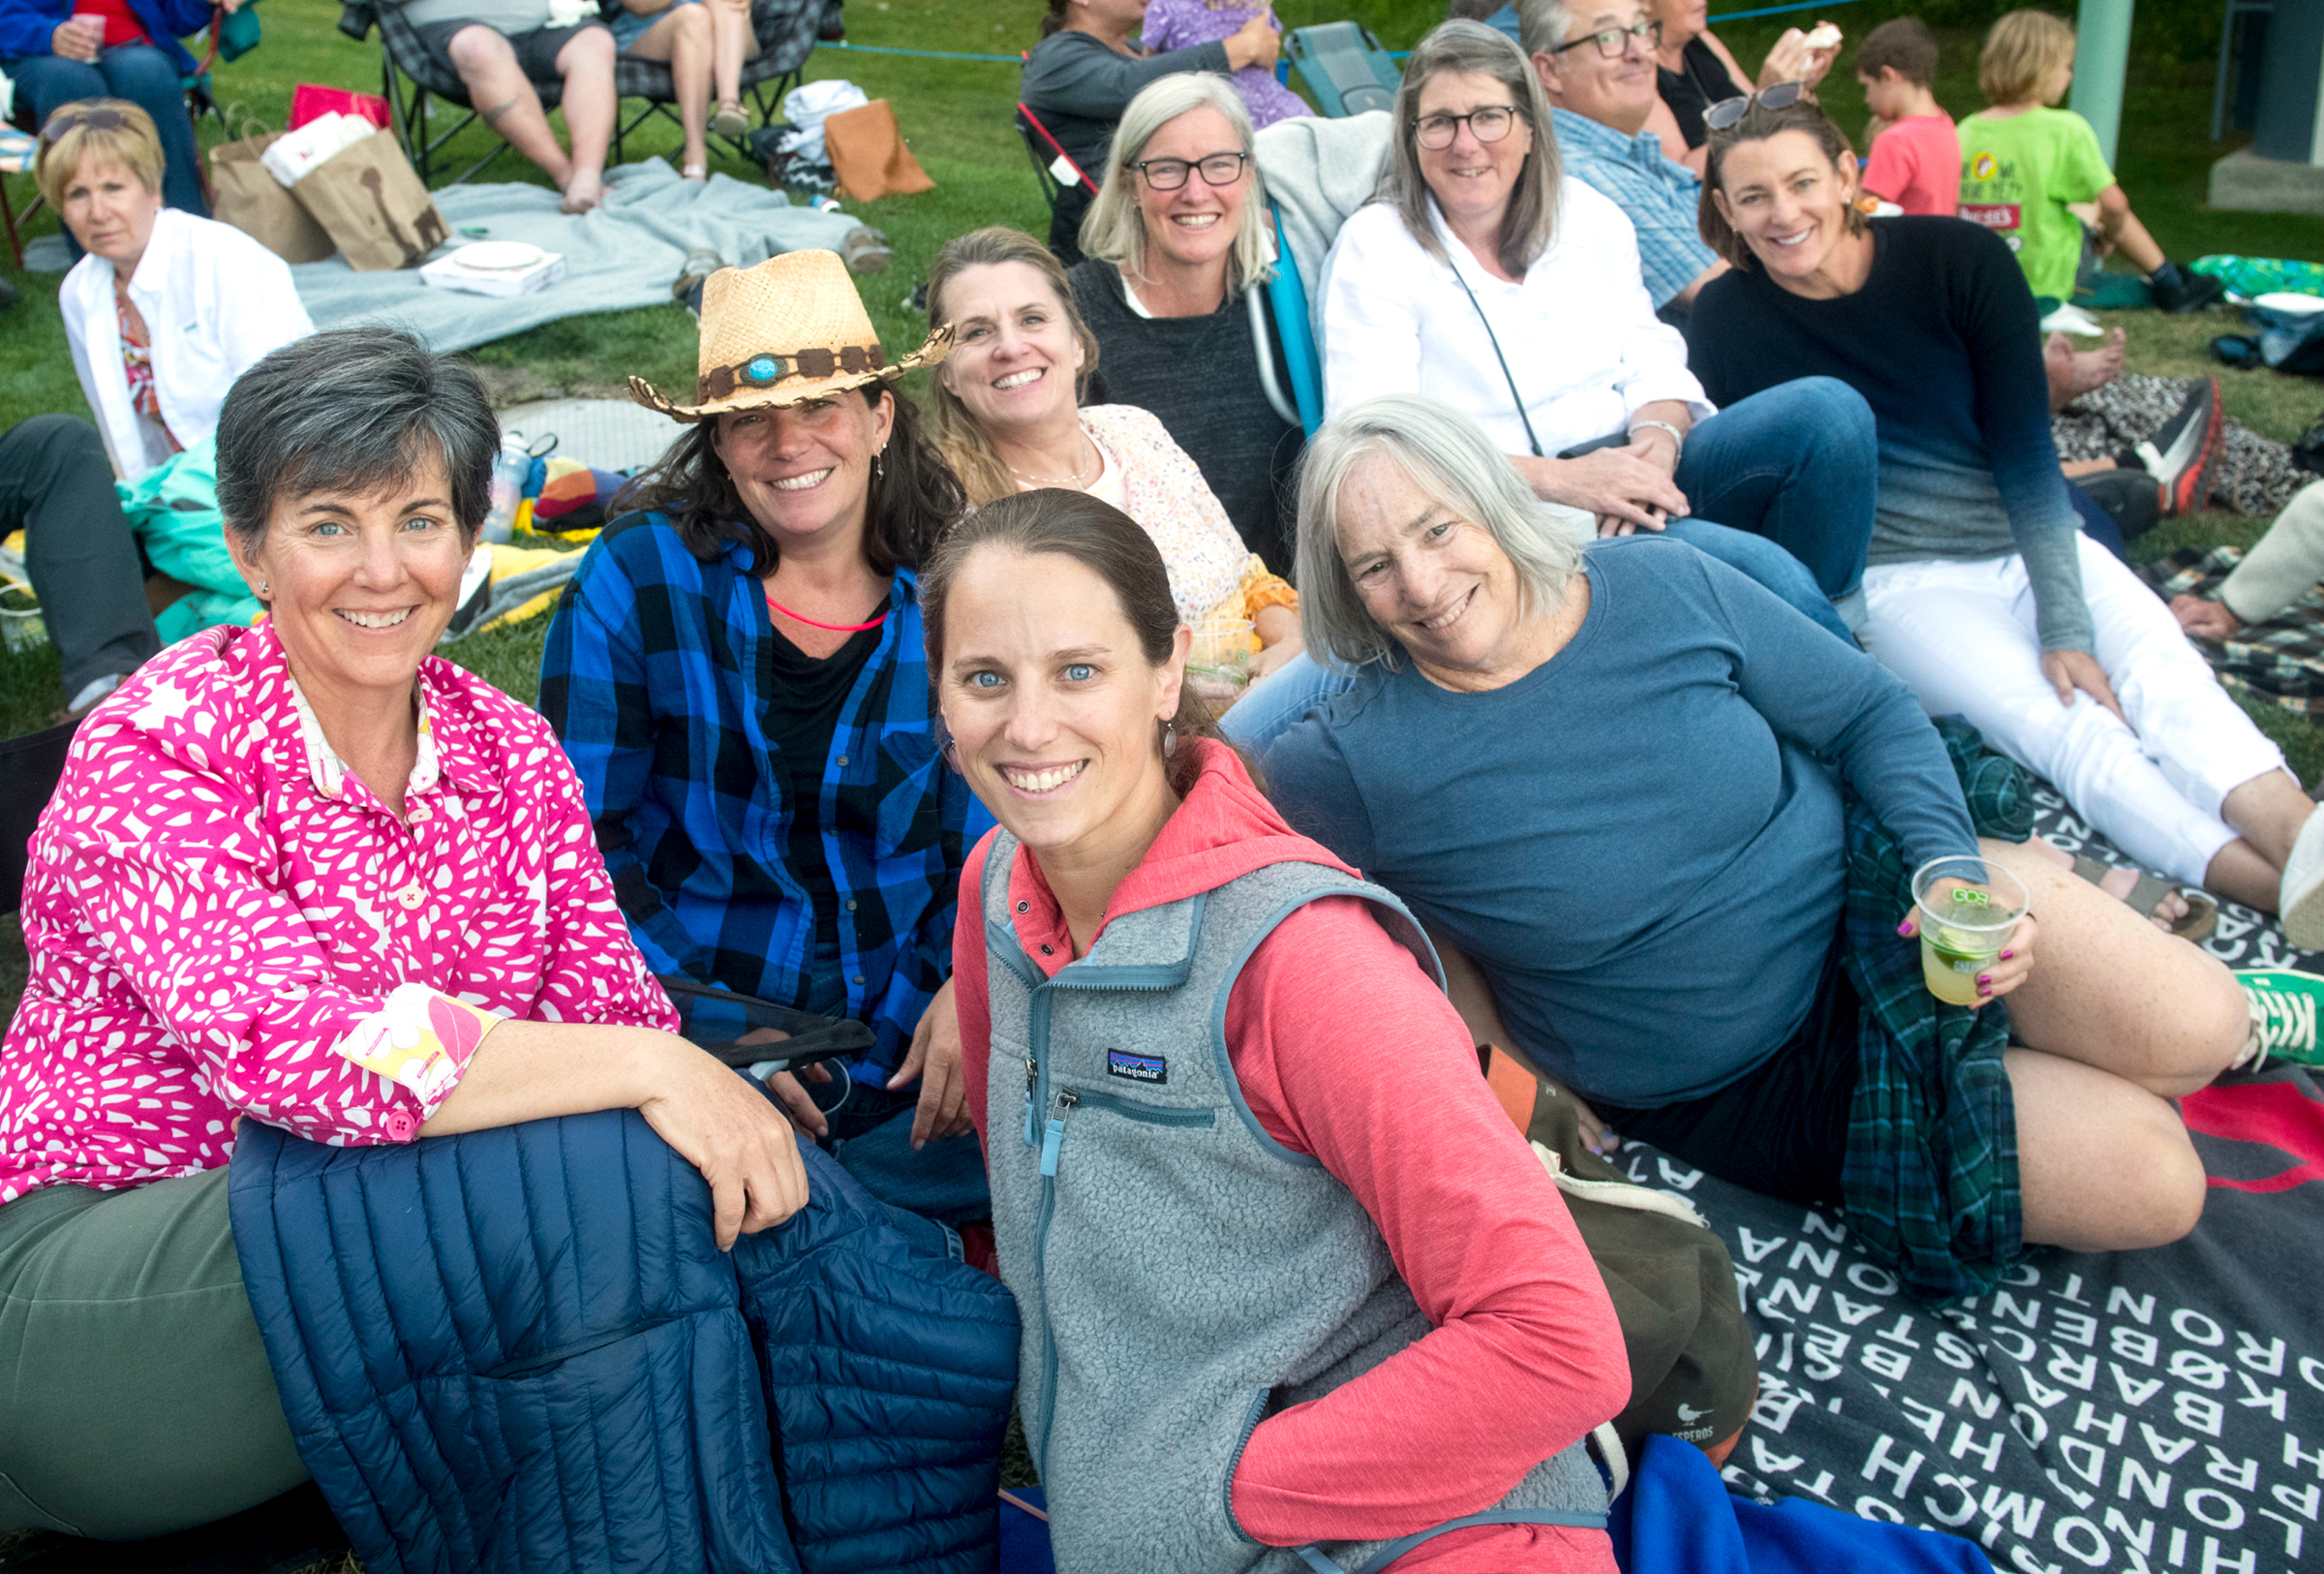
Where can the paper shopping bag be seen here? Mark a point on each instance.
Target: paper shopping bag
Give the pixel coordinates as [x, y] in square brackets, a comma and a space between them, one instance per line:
[868, 155]
[367, 199]
[244, 194]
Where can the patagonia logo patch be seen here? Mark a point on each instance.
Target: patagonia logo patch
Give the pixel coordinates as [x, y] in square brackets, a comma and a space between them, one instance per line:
[1137, 1067]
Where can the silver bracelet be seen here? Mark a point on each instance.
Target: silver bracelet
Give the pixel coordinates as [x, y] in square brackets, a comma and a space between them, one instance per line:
[1676, 436]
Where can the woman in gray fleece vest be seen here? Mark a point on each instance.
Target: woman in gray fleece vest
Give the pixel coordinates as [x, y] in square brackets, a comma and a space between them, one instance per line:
[1270, 1323]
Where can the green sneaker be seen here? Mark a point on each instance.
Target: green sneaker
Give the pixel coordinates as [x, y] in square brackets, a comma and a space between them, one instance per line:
[2283, 1016]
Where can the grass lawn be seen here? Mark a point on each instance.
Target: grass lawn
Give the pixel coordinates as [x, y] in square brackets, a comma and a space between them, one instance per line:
[957, 114]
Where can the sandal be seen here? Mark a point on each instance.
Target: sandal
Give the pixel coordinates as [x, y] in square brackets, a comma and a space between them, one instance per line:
[733, 121]
[2202, 911]
[700, 172]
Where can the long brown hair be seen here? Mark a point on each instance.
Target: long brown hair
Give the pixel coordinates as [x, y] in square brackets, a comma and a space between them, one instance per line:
[1110, 545]
[913, 495]
[958, 434]
[1056, 19]
[1757, 125]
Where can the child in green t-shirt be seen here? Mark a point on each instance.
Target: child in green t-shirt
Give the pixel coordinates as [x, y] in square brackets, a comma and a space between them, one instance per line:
[2022, 163]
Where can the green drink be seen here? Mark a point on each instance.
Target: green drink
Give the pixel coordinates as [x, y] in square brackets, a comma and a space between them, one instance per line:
[1968, 908]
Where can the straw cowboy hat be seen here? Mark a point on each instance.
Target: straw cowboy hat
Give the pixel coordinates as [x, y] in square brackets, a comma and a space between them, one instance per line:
[786, 332]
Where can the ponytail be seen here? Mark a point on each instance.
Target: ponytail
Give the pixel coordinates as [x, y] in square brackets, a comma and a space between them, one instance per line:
[1056, 19]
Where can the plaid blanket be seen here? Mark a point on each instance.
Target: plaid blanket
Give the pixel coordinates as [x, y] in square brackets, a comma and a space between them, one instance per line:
[2281, 663]
[1930, 1180]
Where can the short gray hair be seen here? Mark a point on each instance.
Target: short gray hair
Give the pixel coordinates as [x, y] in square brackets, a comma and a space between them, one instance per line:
[1115, 230]
[1449, 458]
[353, 409]
[1529, 224]
[1543, 25]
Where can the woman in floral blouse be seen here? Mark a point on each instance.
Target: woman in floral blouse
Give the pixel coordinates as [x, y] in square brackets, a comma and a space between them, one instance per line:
[1006, 412]
[310, 875]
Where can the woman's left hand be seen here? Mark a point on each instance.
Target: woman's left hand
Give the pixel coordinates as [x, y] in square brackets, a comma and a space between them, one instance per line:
[1793, 61]
[2071, 670]
[2010, 969]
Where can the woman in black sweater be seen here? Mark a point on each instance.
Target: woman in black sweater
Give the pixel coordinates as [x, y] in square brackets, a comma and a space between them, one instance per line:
[1172, 288]
[1083, 73]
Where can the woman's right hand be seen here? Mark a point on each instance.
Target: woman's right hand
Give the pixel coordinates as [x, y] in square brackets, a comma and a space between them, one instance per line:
[724, 1127]
[1790, 60]
[1624, 487]
[1254, 42]
[76, 38]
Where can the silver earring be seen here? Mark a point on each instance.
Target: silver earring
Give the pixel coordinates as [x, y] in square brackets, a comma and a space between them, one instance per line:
[1170, 740]
[879, 468]
[264, 586]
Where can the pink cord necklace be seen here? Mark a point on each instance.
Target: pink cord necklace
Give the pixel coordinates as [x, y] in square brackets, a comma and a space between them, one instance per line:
[830, 627]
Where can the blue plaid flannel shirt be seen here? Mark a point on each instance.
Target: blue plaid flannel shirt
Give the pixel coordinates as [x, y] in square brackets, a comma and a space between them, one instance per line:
[1661, 196]
[654, 677]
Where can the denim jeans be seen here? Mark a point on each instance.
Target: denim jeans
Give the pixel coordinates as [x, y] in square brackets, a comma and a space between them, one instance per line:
[138, 73]
[1798, 465]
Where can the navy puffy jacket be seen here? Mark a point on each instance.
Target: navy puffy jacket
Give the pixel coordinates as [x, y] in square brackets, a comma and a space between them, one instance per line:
[519, 1349]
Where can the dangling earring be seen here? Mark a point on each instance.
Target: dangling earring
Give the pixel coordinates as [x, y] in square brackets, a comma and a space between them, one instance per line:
[879, 468]
[1170, 740]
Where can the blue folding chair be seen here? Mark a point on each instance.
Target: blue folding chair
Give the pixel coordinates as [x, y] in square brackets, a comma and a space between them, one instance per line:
[1287, 297]
[1346, 70]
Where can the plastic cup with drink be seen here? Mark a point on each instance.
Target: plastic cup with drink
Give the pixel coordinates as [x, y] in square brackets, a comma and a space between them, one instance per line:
[1219, 664]
[1968, 908]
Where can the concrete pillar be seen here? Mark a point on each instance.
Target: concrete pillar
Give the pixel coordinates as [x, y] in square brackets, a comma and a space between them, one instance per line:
[2101, 53]
[2289, 125]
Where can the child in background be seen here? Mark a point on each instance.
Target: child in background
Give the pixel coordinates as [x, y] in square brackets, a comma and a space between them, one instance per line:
[2023, 162]
[1915, 160]
[1177, 24]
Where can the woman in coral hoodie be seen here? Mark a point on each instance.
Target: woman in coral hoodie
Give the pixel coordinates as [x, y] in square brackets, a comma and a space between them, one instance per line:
[1263, 1311]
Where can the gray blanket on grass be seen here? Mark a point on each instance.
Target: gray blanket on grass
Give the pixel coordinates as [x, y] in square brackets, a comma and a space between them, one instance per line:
[624, 254]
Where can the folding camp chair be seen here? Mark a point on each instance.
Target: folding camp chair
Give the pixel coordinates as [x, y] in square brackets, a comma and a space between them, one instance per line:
[1287, 303]
[1346, 70]
[411, 75]
[1052, 164]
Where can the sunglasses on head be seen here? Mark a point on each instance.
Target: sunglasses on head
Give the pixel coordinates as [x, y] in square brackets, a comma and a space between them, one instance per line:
[65, 120]
[1726, 112]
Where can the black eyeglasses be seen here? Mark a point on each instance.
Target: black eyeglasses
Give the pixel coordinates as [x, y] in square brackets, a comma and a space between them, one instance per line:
[1487, 125]
[1614, 41]
[65, 120]
[1726, 112]
[1169, 175]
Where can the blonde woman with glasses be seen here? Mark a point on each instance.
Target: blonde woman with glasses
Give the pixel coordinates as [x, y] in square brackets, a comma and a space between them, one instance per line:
[1177, 250]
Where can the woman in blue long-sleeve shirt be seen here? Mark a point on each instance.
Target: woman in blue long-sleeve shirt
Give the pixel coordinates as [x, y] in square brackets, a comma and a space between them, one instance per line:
[1615, 780]
[1982, 594]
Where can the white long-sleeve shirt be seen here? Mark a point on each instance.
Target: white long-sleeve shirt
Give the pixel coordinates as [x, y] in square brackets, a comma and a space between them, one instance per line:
[214, 302]
[1579, 333]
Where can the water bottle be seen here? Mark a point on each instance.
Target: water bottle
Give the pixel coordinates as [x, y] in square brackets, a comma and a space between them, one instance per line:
[509, 470]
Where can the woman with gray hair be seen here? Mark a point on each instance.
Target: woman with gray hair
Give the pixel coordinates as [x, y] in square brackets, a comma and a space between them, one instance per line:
[1176, 251]
[311, 874]
[1642, 796]
[1485, 276]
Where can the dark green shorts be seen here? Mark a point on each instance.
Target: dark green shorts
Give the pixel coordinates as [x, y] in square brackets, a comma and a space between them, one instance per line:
[134, 1394]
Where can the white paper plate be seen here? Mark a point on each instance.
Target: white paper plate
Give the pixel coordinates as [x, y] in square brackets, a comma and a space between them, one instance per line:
[2286, 300]
[498, 256]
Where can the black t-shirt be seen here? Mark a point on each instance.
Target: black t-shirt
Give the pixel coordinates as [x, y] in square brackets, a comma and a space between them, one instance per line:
[1200, 378]
[803, 713]
[1700, 81]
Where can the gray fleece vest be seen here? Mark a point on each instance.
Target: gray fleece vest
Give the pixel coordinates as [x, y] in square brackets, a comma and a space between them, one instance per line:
[1181, 1275]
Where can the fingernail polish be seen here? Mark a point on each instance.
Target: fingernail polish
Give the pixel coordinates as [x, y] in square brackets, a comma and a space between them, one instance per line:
[2006, 955]
[1984, 980]
[1905, 928]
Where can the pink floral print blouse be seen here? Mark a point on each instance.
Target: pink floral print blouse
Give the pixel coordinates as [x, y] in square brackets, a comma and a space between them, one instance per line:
[224, 923]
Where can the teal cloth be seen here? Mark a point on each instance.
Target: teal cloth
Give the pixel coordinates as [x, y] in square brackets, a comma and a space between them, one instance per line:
[173, 509]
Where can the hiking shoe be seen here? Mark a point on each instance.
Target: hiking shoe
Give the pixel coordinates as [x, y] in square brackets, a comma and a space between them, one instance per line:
[2300, 898]
[2182, 453]
[2191, 293]
[2283, 1017]
[2133, 499]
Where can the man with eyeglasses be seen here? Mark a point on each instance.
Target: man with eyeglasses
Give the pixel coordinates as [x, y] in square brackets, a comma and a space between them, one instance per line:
[1597, 67]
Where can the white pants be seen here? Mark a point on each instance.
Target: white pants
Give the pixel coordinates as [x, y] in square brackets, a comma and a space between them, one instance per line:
[1962, 637]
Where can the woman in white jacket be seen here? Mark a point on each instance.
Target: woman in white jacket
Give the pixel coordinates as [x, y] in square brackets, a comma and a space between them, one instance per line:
[167, 309]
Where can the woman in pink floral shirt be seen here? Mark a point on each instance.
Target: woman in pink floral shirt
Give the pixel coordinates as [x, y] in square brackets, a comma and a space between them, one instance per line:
[310, 875]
